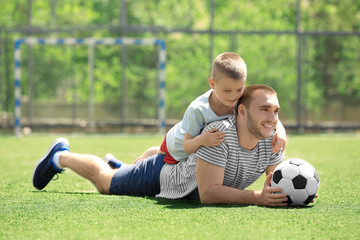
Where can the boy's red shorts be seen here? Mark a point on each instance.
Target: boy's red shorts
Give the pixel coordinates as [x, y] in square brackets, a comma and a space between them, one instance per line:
[168, 158]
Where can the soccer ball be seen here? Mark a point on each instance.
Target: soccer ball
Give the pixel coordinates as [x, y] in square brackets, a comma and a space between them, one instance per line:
[298, 179]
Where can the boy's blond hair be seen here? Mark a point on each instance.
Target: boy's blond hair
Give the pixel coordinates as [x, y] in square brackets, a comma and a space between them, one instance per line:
[229, 64]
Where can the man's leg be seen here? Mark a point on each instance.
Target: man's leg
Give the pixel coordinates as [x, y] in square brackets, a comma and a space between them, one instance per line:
[141, 179]
[90, 167]
[138, 180]
[113, 161]
[58, 157]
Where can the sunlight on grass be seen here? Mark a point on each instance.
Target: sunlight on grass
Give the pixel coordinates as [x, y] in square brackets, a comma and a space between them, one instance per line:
[71, 207]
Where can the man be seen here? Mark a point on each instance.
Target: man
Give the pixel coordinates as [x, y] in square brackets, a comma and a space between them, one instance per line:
[218, 174]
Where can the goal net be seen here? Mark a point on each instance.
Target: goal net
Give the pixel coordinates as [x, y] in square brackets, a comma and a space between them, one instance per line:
[89, 83]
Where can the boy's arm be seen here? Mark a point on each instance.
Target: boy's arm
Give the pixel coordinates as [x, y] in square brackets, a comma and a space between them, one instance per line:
[279, 138]
[211, 191]
[210, 138]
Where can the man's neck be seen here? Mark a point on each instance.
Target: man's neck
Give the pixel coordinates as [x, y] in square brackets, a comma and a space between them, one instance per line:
[246, 139]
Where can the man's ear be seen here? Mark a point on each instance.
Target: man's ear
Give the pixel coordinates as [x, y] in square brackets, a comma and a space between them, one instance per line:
[242, 110]
[211, 83]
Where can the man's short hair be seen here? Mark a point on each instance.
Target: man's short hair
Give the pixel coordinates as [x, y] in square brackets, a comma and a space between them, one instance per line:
[229, 64]
[248, 92]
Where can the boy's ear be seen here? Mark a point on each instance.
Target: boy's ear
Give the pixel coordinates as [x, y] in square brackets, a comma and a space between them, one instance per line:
[211, 83]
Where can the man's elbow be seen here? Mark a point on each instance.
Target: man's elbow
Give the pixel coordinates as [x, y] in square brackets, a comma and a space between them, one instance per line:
[207, 198]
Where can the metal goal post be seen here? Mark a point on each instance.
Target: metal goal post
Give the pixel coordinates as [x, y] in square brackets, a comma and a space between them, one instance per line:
[91, 42]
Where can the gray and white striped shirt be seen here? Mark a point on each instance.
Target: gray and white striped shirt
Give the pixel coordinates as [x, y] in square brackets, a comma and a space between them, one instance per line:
[242, 167]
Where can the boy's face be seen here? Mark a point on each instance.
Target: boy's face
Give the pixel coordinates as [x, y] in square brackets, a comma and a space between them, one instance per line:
[227, 90]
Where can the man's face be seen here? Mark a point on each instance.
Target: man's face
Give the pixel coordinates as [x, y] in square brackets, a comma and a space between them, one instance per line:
[263, 114]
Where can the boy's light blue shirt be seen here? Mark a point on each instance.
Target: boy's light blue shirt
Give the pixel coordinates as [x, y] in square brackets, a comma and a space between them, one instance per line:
[197, 115]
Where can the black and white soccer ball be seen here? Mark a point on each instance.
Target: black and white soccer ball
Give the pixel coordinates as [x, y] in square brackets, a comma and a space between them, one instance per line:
[298, 179]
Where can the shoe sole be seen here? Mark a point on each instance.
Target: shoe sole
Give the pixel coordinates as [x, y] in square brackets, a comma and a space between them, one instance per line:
[59, 140]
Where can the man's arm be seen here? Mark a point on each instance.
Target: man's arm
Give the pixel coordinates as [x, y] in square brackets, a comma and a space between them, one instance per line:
[271, 168]
[211, 190]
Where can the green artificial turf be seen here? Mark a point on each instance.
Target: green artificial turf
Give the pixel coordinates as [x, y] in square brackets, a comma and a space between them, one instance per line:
[70, 208]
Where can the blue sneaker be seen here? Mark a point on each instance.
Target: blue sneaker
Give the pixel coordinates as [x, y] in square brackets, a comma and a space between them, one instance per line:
[45, 169]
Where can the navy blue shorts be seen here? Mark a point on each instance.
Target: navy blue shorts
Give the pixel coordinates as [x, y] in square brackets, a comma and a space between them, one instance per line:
[141, 179]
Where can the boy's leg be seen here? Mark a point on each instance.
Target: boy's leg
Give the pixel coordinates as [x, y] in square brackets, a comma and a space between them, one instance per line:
[90, 167]
[148, 153]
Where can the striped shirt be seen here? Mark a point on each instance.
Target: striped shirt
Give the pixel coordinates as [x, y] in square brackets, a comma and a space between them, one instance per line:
[242, 167]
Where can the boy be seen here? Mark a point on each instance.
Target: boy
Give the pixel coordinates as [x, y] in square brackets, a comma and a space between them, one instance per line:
[227, 81]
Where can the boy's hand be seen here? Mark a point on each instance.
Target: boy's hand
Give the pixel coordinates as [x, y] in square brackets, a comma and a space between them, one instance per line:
[212, 138]
[278, 142]
[279, 138]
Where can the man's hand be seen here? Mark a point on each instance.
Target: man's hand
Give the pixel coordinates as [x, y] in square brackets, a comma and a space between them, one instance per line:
[212, 138]
[269, 196]
[316, 196]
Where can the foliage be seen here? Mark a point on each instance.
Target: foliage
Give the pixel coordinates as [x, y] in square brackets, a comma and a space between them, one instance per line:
[330, 64]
